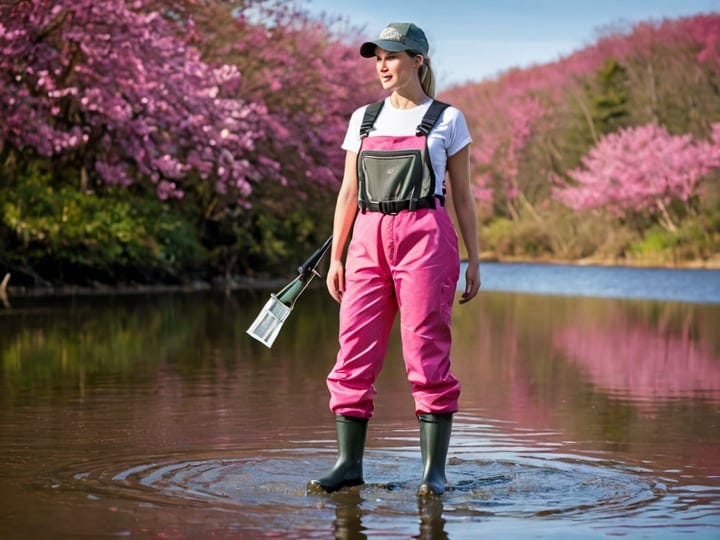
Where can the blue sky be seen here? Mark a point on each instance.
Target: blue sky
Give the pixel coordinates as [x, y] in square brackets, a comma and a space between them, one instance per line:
[477, 39]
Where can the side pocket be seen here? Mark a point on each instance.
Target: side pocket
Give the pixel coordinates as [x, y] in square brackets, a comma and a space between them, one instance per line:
[447, 296]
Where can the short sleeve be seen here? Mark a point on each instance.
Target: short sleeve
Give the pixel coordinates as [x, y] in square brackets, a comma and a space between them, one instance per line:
[459, 134]
[351, 143]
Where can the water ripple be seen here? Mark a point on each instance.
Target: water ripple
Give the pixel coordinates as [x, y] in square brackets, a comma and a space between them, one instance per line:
[520, 488]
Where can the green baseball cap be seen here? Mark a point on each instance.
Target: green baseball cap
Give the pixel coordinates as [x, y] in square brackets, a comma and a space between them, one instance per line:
[398, 37]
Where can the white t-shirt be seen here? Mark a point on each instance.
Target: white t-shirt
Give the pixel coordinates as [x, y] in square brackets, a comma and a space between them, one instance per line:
[449, 136]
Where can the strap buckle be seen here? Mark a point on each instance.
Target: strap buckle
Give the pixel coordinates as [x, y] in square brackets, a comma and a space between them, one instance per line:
[392, 207]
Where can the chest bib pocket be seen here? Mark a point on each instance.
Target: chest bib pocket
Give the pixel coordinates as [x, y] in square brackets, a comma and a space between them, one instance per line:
[393, 176]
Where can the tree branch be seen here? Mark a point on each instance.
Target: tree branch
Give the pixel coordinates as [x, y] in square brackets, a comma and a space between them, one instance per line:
[3, 291]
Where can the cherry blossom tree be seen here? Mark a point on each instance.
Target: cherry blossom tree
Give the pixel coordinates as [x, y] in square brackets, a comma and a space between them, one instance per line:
[237, 107]
[501, 136]
[641, 169]
[101, 86]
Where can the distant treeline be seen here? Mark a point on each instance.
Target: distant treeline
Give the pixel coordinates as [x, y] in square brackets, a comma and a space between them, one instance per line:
[156, 141]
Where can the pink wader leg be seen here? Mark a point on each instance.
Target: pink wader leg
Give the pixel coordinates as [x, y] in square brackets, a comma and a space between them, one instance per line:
[367, 313]
[412, 255]
[426, 275]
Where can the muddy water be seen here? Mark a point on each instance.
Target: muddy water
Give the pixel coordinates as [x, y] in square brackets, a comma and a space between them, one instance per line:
[157, 417]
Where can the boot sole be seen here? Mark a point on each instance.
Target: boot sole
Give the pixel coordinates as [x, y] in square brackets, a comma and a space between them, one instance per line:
[315, 487]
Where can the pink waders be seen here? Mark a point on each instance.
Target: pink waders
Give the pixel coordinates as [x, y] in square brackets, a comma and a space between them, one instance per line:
[406, 262]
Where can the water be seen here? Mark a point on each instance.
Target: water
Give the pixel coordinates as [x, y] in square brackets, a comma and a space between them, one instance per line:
[616, 282]
[158, 417]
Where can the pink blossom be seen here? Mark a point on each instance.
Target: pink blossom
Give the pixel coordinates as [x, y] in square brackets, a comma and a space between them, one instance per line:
[639, 169]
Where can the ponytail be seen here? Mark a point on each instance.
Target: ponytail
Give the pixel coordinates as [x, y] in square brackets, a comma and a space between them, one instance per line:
[427, 78]
[426, 75]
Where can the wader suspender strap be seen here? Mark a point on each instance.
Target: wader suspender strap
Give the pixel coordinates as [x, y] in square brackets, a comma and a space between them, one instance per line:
[428, 122]
[371, 113]
[431, 117]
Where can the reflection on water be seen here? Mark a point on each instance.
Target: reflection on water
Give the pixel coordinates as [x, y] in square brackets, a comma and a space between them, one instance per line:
[157, 416]
[644, 360]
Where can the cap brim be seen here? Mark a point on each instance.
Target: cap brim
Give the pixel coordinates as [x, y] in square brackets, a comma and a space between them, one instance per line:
[367, 49]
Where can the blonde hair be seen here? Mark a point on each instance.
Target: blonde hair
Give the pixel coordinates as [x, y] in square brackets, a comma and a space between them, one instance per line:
[425, 72]
[427, 78]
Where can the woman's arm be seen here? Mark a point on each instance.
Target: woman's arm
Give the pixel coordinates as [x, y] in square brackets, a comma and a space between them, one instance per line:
[458, 167]
[345, 212]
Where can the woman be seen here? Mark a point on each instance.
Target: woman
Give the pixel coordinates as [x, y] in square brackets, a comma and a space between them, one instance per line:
[403, 254]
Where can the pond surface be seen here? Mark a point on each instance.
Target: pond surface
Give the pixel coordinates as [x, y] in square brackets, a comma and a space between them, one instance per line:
[156, 416]
[604, 281]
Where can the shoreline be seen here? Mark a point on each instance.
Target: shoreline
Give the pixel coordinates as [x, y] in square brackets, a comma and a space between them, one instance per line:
[101, 289]
[710, 264]
[245, 283]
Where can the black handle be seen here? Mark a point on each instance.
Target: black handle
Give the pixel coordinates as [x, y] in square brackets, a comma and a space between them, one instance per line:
[314, 260]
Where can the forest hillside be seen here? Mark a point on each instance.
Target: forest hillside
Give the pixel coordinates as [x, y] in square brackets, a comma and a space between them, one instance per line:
[610, 155]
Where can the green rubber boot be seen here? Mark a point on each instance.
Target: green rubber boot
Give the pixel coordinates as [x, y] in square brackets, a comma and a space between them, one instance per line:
[434, 441]
[348, 470]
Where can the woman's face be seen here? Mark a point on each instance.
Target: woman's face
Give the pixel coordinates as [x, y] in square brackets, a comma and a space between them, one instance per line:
[396, 69]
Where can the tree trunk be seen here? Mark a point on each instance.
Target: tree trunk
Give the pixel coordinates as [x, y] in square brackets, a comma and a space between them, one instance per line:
[512, 211]
[666, 220]
[529, 207]
[3, 291]
[588, 117]
[652, 91]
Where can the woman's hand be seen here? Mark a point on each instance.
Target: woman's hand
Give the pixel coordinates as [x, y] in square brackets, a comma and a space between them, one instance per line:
[458, 166]
[472, 282]
[336, 280]
[345, 210]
